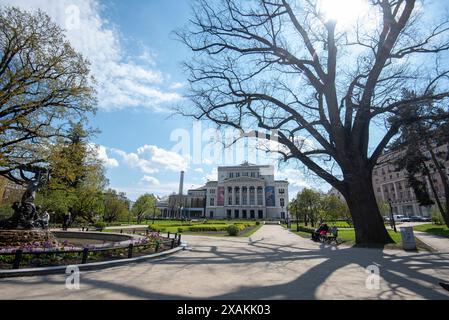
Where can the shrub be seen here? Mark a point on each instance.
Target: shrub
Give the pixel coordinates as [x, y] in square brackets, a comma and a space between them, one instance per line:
[233, 230]
[305, 229]
[154, 228]
[100, 225]
[258, 223]
[180, 230]
[437, 218]
[203, 228]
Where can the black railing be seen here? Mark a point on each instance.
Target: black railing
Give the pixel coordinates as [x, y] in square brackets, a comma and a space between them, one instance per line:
[168, 242]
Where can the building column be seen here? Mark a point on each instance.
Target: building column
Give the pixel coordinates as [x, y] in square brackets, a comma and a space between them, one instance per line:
[226, 196]
[240, 196]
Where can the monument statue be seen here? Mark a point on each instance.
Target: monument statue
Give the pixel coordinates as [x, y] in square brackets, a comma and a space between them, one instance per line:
[26, 215]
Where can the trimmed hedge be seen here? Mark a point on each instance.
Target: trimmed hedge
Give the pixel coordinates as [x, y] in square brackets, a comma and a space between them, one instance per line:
[306, 229]
[233, 230]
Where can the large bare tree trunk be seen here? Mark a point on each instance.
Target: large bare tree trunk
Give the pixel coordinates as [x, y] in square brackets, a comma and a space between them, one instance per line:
[368, 223]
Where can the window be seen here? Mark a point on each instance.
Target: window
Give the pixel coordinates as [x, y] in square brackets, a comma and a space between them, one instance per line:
[236, 214]
[252, 196]
[259, 196]
[212, 191]
[231, 175]
[245, 174]
[252, 214]
[212, 202]
[229, 214]
[281, 191]
[211, 214]
[260, 214]
[282, 202]
[253, 174]
[244, 196]
[244, 214]
[237, 175]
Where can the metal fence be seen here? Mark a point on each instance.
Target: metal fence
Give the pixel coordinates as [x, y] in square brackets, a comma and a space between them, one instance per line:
[160, 246]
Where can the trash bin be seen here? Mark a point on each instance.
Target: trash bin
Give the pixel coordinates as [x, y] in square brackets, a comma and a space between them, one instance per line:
[408, 238]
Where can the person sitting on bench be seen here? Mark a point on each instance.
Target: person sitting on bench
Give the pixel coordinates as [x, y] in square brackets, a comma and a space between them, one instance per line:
[323, 229]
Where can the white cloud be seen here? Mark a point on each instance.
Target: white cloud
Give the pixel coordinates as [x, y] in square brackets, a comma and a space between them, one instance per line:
[167, 159]
[134, 161]
[151, 159]
[213, 176]
[151, 180]
[122, 80]
[200, 170]
[294, 176]
[102, 155]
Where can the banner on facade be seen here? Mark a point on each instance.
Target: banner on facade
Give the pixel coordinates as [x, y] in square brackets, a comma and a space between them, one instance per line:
[270, 197]
[220, 196]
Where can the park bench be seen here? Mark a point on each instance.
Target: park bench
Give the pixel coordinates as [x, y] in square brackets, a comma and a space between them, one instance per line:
[330, 237]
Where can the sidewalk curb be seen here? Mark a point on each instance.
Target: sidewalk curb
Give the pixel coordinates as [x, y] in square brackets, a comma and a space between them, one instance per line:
[84, 267]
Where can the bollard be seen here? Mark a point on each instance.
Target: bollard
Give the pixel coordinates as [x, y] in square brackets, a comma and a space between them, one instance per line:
[173, 243]
[168, 235]
[85, 255]
[130, 251]
[17, 259]
[179, 240]
[121, 231]
[176, 236]
[157, 247]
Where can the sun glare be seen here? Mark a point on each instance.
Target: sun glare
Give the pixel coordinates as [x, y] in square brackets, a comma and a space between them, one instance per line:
[344, 12]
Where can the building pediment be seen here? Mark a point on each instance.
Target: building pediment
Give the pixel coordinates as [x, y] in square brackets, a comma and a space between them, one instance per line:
[243, 180]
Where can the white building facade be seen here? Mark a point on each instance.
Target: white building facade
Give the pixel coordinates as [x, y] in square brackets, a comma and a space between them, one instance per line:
[247, 192]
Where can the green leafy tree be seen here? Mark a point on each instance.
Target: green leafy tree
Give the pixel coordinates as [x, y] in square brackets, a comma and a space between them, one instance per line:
[145, 206]
[116, 206]
[77, 178]
[332, 208]
[424, 154]
[45, 85]
[310, 203]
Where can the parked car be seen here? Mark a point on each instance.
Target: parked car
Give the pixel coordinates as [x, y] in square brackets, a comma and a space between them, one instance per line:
[416, 219]
[401, 218]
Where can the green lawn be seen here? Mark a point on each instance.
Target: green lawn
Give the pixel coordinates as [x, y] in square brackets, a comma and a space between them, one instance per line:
[438, 230]
[347, 237]
[201, 227]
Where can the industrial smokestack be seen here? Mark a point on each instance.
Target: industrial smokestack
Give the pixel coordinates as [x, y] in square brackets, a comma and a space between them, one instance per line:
[181, 184]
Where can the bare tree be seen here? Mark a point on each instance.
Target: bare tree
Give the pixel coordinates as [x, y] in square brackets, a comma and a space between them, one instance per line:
[282, 65]
[44, 87]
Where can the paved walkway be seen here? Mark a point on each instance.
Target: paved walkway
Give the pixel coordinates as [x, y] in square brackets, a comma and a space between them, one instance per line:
[273, 264]
[440, 244]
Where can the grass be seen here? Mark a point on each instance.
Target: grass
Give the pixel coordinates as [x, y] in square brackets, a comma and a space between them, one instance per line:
[437, 230]
[219, 227]
[347, 237]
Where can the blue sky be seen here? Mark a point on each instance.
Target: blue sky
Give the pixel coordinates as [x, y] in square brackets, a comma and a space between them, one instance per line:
[137, 63]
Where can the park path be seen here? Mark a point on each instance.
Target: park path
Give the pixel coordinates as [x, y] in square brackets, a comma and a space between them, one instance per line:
[273, 264]
[440, 244]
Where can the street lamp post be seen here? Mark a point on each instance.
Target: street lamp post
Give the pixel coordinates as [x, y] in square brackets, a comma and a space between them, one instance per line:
[297, 219]
[154, 213]
[392, 222]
